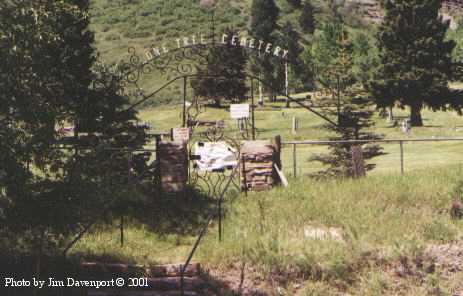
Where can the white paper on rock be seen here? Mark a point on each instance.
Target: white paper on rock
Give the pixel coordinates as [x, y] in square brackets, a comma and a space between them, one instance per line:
[215, 156]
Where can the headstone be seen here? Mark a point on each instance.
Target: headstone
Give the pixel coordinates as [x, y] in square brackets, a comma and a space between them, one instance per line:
[358, 162]
[406, 126]
[239, 111]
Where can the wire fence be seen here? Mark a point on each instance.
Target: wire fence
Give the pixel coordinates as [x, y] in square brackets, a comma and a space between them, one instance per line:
[401, 155]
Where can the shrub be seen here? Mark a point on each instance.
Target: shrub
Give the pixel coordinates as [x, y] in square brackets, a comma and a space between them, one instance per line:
[112, 37]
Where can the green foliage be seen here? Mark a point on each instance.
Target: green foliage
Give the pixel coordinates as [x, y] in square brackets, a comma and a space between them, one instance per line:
[416, 61]
[295, 3]
[354, 110]
[264, 17]
[300, 75]
[224, 76]
[48, 79]
[439, 231]
[307, 18]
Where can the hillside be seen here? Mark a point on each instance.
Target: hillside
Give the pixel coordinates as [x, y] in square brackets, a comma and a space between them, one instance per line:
[120, 24]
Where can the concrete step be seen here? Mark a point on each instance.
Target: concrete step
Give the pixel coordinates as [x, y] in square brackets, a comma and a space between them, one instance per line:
[100, 292]
[168, 284]
[99, 270]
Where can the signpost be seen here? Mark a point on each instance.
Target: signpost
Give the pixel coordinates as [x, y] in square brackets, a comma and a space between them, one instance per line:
[239, 111]
[181, 134]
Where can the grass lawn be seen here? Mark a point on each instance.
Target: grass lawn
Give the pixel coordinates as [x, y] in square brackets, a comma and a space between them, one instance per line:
[274, 120]
[381, 218]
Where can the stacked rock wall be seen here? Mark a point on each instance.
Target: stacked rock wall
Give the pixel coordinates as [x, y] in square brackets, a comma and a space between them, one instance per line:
[257, 165]
[173, 162]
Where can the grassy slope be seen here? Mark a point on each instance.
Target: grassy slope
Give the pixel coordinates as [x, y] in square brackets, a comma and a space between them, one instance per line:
[384, 216]
[120, 24]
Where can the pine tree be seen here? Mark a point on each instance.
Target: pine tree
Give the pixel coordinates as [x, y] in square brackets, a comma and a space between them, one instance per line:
[225, 73]
[415, 58]
[264, 17]
[298, 72]
[295, 3]
[307, 19]
[46, 78]
[354, 112]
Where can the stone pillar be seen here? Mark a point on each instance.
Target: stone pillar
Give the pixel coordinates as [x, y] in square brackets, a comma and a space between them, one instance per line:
[173, 166]
[257, 166]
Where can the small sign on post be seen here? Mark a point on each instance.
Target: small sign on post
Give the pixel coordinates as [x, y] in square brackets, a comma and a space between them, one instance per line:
[239, 111]
[181, 134]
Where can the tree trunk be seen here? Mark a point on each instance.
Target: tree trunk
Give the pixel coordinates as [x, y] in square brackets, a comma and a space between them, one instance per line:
[415, 114]
[390, 115]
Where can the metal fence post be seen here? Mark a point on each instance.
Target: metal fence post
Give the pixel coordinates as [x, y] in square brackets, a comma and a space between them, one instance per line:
[401, 157]
[294, 161]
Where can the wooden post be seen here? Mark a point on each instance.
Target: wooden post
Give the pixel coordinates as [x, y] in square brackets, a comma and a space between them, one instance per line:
[295, 125]
[358, 162]
[252, 111]
[294, 161]
[278, 151]
[122, 230]
[220, 220]
[184, 100]
[401, 157]
[245, 187]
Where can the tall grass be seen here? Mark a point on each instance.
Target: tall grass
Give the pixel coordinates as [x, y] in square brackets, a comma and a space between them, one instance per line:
[382, 218]
[383, 215]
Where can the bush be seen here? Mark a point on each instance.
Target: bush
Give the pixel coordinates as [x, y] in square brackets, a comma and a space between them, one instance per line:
[112, 37]
[137, 34]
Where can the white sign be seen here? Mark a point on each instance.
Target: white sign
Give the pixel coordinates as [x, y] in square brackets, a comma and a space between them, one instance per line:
[238, 111]
[244, 42]
[214, 156]
[181, 134]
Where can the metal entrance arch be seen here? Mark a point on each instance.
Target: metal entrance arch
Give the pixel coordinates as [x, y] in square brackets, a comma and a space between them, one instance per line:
[182, 64]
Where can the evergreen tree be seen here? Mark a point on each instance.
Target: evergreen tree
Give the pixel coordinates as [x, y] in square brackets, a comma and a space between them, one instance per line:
[298, 73]
[264, 17]
[225, 73]
[34, 79]
[415, 58]
[295, 3]
[45, 196]
[354, 112]
[307, 19]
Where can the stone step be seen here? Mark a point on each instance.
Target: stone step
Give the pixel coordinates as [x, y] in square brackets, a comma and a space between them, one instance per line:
[99, 270]
[99, 292]
[165, 284]
[174, 283]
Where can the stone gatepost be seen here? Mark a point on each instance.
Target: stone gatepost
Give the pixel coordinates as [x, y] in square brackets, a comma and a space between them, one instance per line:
[258, 160]
[173, 166]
